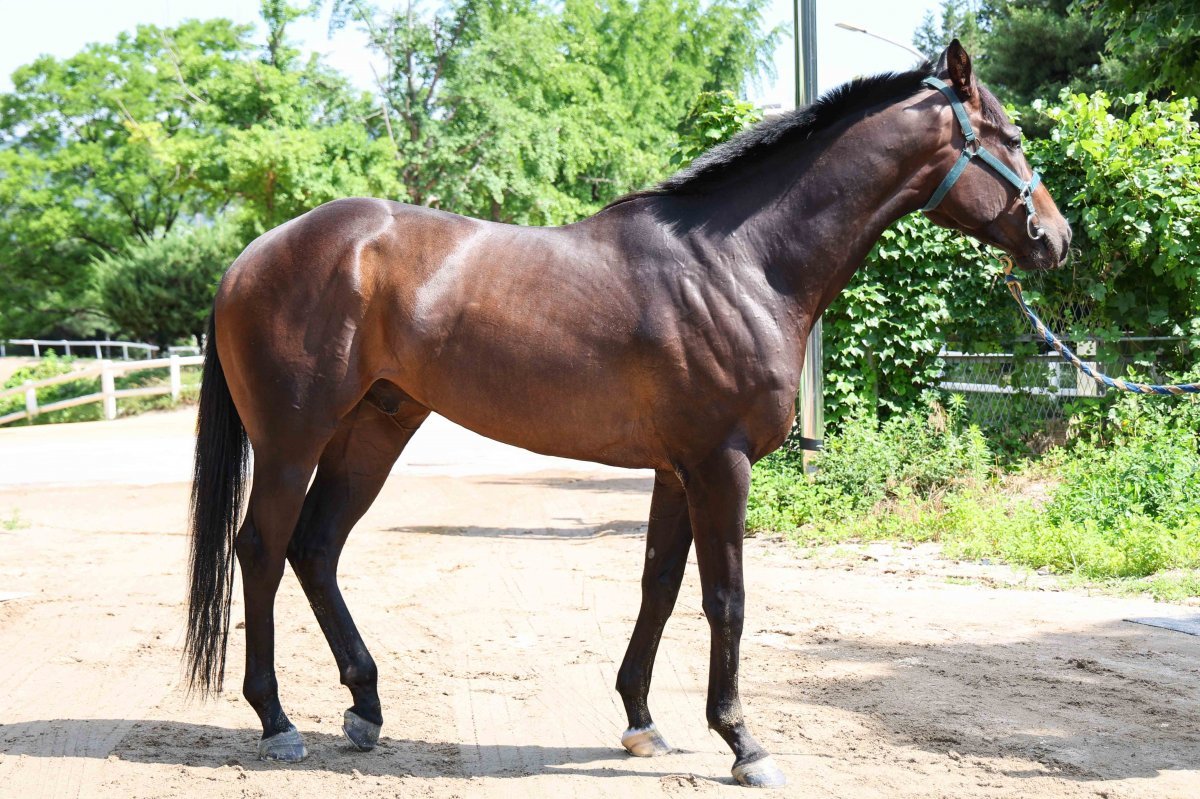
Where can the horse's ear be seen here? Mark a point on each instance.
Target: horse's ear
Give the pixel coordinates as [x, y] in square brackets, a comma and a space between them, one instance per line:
[958, 64]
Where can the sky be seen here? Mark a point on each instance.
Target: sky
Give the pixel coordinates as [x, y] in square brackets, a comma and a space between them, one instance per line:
[62, 27]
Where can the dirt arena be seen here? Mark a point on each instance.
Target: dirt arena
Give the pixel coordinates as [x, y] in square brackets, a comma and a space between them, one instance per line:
[497, 592]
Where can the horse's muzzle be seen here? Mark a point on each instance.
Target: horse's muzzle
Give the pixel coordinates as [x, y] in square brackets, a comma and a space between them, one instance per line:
[1050, 251]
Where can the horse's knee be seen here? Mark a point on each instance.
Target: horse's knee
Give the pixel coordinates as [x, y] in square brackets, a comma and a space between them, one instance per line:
[662, 586]
[725, 609]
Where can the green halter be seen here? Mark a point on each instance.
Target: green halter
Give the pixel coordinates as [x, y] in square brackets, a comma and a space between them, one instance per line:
[973, 149]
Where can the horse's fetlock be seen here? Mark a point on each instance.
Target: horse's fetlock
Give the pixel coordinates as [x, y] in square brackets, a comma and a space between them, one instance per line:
[724, 716]
[360, 674]
[259, 689]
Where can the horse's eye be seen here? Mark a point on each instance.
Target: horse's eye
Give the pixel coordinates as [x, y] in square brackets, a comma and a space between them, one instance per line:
[1014, 143]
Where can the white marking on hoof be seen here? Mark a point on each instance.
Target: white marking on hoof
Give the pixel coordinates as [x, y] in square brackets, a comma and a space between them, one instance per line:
[760, 774]
[645, 742]
[283, 747]
[362, 734]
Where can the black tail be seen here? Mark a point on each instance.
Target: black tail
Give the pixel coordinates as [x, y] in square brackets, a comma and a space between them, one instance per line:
[218, 485]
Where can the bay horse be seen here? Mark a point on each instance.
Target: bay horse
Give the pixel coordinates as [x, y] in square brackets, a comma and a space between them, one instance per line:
[665, 332]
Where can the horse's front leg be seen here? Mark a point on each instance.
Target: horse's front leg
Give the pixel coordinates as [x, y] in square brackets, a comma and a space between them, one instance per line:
[716, 492]
[668, 540]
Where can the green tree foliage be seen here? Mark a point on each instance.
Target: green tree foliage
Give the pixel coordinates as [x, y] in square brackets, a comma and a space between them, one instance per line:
[965, 20]
[161, 290]
[532, 112]
[1128, 173]
[122, 141]
[1025, 50]
[1158, 40]
[714, 117]
[1035, 48]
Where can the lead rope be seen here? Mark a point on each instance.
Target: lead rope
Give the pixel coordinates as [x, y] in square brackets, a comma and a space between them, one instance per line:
[1014, 288]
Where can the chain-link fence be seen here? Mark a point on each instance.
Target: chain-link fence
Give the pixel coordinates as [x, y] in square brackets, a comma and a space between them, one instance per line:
[1028, 389]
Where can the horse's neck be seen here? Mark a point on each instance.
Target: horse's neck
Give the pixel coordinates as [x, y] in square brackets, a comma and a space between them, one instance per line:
[819, 211]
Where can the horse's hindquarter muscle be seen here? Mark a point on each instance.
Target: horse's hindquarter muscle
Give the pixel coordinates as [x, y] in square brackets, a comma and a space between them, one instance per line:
[614, 346]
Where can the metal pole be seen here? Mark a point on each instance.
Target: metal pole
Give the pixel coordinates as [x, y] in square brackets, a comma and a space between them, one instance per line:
[812, 380]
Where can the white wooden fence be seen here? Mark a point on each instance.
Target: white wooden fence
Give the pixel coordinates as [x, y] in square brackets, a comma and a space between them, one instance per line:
[96, 348]
[108, 394]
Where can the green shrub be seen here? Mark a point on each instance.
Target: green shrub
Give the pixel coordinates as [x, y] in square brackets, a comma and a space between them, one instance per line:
[162, 290]
[1121, 503]
[915, 454]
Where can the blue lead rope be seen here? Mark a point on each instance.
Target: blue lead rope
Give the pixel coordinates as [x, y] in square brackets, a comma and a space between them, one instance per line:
[1014, 288]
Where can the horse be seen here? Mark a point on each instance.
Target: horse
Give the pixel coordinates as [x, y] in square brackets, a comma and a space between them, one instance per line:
[665, 332]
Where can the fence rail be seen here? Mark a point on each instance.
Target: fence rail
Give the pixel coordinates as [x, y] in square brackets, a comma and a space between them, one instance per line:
[108, 394]
[95, 347]
[1054, 376]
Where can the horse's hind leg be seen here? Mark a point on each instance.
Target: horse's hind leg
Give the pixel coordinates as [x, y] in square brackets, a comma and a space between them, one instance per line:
[668, 539]
[352, 470]
[281, 475]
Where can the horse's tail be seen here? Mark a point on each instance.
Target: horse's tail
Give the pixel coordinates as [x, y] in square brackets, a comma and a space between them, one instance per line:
[218, 485]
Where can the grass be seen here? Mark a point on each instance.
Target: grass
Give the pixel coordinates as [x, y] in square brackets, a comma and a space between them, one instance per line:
[1121, 514]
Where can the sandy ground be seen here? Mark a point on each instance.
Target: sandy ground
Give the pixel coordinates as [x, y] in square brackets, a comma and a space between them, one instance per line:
[498, 607]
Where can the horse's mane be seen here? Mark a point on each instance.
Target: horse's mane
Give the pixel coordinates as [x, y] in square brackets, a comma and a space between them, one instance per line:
[773, 134]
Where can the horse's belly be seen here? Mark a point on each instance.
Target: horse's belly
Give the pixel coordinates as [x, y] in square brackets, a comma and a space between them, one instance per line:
[569, 413]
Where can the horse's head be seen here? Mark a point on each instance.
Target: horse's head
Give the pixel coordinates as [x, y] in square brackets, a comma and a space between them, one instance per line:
[989, 190]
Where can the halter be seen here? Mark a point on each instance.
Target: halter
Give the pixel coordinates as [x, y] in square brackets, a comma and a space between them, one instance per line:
[972, 148]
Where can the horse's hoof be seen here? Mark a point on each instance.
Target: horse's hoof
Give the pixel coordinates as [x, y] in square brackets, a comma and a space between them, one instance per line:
[362, 734]
[645, 742]
[283, 747]
[761, 773]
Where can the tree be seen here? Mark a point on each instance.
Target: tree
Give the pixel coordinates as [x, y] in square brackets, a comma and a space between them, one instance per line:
[1157, 41]
[122, 141]
[1036, 48]
[1027, 50]
[965, 20]
[714, 117]
[525, 111]
[162, 290]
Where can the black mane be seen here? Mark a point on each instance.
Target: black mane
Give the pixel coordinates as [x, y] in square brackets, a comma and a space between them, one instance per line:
[769, 135]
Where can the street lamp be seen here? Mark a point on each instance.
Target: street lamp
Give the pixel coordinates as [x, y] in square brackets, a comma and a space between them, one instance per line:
[846, 26]
[812, 378]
